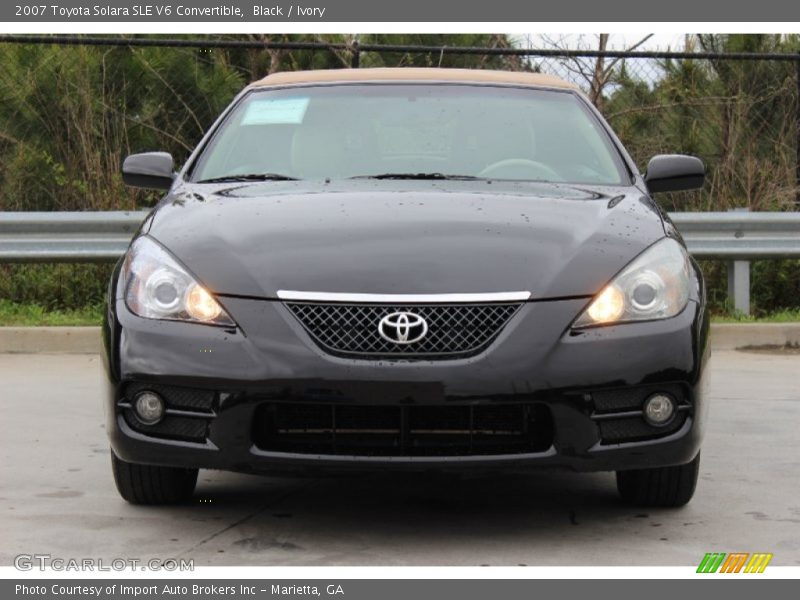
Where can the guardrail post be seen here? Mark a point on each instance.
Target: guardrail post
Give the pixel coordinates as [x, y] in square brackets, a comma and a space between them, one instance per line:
[739, 279]
[739, 285]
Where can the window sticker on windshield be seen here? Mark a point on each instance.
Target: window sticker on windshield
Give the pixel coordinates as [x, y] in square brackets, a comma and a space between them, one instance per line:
[275, 111]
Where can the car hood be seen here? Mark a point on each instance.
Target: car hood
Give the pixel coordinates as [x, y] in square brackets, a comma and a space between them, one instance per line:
[405, 237]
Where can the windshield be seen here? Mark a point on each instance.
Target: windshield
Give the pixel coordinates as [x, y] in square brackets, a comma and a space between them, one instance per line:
[417, 130]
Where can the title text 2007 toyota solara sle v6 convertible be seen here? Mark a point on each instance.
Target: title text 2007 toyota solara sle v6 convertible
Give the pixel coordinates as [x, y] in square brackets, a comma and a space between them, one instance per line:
[418, 269]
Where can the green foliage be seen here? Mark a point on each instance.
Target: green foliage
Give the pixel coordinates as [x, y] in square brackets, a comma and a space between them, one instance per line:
[774, 286]
[55, 287]
[781, 316]
[70, 115]
[739, 116]
[34, 315]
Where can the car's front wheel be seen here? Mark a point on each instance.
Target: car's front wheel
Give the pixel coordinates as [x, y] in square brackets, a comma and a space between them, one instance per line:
[662, 486]
[148, 484]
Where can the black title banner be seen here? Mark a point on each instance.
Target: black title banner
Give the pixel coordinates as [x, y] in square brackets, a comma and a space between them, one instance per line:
[443, 11]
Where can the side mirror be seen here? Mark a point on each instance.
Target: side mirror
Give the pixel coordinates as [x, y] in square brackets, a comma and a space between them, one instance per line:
[674, 173]
[150, 170]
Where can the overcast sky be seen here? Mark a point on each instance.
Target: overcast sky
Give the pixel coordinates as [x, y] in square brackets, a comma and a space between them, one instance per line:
[617, 41]
[642, 69]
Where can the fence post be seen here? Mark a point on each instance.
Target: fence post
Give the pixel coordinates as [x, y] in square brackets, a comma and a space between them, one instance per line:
[355, 55]
[739, 280]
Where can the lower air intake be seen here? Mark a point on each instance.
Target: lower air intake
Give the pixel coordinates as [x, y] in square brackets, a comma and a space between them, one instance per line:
[358, 430]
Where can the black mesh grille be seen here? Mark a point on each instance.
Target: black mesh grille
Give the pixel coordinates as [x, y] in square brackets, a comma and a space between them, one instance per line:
[614, 431]
[176, 397]
[403, 430]
[632, 398]
[182, 428]
[453, 329]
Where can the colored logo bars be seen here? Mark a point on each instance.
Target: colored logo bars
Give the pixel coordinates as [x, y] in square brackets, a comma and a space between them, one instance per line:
[736, 562]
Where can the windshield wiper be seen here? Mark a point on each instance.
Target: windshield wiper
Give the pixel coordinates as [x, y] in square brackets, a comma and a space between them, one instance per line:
[418, 176]
[249, 177]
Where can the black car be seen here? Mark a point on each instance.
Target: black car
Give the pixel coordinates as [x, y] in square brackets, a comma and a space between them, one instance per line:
[419, 269]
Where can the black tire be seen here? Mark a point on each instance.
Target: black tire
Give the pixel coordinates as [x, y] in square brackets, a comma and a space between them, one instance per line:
[662, 486]
[147, 484]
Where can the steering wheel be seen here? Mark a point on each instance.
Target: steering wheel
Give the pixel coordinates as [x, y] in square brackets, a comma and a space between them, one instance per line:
[520, 168]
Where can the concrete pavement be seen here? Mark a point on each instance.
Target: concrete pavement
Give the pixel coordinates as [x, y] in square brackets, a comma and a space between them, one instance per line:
[57, 495]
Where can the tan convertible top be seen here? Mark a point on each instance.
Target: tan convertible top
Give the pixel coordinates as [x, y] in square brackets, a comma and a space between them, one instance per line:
[413, 74]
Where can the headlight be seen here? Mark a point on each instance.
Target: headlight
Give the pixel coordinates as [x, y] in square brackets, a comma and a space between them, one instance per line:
[158, 287]
[654, 286]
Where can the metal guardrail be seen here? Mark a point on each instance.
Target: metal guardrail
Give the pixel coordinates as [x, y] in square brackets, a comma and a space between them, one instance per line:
[77, 237]
[104, 236]
[740, 235]
[737, 237]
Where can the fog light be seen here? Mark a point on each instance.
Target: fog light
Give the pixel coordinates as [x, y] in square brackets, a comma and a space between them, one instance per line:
[659, 409]
[149, 407]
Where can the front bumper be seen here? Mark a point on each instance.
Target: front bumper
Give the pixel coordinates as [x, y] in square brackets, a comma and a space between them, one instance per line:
[579, 383]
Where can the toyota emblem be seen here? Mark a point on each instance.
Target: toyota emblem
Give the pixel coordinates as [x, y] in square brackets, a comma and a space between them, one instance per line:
[403, 327]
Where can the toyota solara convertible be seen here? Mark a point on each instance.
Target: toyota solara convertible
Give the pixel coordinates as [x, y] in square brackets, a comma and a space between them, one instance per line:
[407, 269]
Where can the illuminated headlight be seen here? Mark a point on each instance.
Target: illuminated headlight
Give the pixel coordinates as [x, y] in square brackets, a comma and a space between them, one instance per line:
[158, 287]
[654, 286]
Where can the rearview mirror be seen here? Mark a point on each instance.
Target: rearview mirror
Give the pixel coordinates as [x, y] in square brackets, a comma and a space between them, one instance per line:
[150, 170]
[674, 173]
